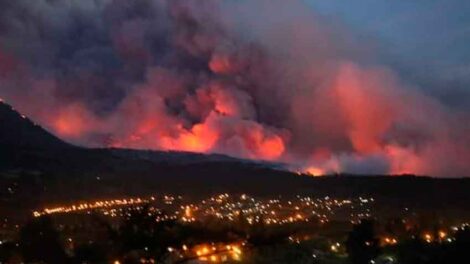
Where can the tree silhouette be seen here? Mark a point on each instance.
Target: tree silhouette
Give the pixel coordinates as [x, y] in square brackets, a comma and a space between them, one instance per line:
[258, 235]
[90, 254]
[362, 246]
[460, 247]
[9, 253]
[40, 242]
[140, 235]
[415, 251]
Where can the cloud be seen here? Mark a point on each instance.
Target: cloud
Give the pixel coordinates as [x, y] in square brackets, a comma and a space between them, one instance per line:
[261, 80]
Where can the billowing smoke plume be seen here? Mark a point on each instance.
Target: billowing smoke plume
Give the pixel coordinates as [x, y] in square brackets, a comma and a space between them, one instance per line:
[255, 79]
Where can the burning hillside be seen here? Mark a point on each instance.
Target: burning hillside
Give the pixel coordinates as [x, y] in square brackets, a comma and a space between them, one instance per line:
[267, 80]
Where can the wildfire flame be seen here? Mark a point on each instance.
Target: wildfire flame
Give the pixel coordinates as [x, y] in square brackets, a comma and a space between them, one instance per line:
[200, 82]
[314, 171]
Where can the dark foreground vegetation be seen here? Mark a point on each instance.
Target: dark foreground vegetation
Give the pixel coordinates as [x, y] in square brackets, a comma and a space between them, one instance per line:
[139, 238]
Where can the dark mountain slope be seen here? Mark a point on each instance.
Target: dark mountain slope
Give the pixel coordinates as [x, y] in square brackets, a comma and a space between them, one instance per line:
[17, 131]
[23, 142]
[41, 168]
[27, 146]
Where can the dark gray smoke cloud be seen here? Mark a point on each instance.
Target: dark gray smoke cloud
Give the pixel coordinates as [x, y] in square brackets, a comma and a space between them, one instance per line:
[263, 80]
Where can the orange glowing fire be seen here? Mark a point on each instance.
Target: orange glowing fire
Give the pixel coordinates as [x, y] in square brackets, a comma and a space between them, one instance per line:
[368, 112]
[221, 63]
[319, 109]
[271, 148]
[72, 122]
[314, 171]
[201, 138]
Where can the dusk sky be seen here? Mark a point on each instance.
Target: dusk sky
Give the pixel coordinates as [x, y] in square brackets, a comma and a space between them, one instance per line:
[426, 41]
[370, 86]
